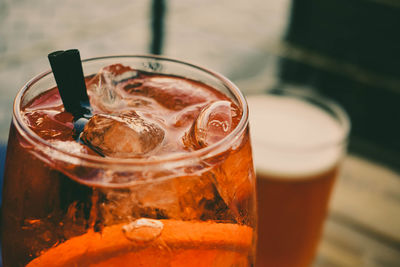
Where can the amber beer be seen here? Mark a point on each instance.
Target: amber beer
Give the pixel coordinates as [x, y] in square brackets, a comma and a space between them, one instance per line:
[299, 140]
[150, 182]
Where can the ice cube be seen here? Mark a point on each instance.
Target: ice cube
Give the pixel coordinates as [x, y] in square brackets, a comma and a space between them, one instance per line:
[103, 87]
[186, 116]
[171, 92]
[126, 135]
[213, 123]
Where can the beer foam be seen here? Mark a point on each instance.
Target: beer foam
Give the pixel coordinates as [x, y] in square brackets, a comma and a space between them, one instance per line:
[292, 137]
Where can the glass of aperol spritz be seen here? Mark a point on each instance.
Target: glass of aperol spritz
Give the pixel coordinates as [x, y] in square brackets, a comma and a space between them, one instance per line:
[162, 174]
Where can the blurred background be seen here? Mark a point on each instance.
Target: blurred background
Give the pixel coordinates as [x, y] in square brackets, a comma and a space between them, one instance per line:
[345, 49]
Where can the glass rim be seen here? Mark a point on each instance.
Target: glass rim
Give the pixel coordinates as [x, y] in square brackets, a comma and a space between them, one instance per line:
[205, 152]
[318, 100]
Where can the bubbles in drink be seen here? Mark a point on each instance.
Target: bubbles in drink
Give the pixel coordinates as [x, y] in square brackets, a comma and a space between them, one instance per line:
[143, 230]
[126, 135]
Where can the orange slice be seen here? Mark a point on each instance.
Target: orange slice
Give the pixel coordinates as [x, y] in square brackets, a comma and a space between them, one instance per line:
[180, 243]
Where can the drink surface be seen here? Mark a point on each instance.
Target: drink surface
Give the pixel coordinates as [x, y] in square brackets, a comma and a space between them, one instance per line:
[203, 216]
[168, 114]
[297, 150]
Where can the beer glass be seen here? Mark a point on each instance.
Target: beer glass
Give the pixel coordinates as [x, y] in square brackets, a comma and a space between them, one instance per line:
[299, 141]
[64, 205]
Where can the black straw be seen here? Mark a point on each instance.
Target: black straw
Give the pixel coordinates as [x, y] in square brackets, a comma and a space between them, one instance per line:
[157, 26]
[67, 70]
